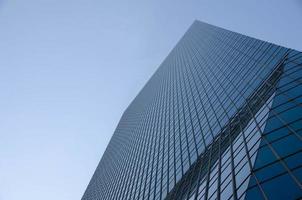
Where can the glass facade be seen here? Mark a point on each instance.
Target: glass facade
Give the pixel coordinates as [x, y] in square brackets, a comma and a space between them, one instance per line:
[221, 118]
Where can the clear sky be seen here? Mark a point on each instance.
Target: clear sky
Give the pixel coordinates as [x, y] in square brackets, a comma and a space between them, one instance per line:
[69, 68]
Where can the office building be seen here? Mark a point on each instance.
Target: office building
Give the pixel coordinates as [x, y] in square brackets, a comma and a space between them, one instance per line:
[221, 118]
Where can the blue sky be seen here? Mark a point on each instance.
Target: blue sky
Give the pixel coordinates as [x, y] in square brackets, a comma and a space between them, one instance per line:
[69, 68]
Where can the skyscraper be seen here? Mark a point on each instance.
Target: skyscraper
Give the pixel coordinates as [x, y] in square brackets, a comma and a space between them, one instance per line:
[221, 118]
